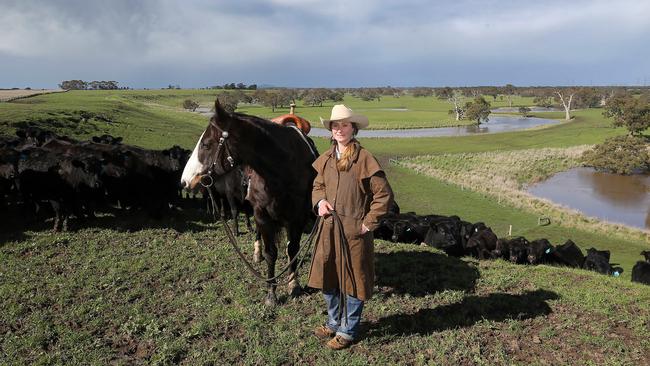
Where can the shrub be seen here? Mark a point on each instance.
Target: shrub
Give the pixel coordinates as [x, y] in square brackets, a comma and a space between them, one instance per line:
[620, 155]
[190, 104]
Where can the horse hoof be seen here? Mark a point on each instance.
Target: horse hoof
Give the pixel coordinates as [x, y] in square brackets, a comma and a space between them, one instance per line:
[270, 300]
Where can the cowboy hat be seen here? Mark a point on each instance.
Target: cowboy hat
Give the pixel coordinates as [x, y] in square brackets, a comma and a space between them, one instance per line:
[341, 112]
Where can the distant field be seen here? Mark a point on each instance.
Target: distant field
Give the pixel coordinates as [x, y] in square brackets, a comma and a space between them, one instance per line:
[390, 112]
[7, 95]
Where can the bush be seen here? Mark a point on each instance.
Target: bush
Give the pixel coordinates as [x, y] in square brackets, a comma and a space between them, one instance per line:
[190, 104]
[620, 155]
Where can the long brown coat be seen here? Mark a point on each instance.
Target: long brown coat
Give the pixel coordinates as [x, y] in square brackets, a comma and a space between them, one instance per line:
[360, 195]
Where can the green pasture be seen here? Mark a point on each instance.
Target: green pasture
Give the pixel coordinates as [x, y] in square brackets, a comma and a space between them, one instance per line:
[114, 292]
[173, 294]
[132, 108]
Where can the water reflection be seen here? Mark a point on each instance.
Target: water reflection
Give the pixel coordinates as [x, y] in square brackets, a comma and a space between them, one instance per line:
[495, 124]
[611, 197]
[532, 109]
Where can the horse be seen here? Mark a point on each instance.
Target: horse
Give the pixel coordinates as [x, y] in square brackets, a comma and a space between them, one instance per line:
[278, 161]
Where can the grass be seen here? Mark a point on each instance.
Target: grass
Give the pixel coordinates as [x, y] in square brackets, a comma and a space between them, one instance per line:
[173, 295]
[504, 176]
[169, 292]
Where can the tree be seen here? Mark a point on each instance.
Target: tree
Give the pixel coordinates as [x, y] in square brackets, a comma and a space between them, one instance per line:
[524, 111]
[73, 85]
[565, 97]
[543, 101]
[422, 92]
[477, 110]
[492, 91]
[369, 94]
[587, 98]
[228, 101]
[190, 104]
[258, 96]
[509, 91]
[455, 97]
[620, 155]
[315, 97]
[630, 112]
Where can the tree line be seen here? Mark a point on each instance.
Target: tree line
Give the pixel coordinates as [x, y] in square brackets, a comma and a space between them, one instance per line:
[231, 86]
[89, 85]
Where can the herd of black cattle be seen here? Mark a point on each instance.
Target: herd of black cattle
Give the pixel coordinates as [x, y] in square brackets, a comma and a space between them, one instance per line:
[40, 170]
[461, 238]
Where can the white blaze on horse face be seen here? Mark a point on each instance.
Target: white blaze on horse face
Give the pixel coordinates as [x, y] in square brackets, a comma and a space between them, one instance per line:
[193, 167]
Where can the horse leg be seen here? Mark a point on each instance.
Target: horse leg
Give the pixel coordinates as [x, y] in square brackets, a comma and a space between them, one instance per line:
[257, 253]
[234, 212]
[270, 255]
[293, 247]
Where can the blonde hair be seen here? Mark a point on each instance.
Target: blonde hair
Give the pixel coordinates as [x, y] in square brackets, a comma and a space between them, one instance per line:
[345, 161]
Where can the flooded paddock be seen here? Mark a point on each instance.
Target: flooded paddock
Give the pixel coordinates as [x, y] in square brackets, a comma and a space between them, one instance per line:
[610, 197]
[494, 125]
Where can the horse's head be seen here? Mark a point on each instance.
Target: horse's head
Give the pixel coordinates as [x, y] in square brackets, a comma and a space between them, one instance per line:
[212, 153]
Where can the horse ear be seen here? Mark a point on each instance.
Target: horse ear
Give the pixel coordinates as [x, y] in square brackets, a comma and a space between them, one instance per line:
[219, 112]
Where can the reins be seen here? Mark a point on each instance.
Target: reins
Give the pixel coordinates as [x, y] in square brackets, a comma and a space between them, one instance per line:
[233, 242]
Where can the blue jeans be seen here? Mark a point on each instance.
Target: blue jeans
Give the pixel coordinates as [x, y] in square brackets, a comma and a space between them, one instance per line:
[347, 328]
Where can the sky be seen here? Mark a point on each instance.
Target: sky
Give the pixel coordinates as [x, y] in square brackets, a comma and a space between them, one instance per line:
[330, 43]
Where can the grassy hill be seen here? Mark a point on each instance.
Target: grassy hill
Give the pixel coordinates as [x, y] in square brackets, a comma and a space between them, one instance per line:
[172, 293]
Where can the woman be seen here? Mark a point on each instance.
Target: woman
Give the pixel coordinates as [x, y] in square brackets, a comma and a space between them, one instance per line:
[350, 182]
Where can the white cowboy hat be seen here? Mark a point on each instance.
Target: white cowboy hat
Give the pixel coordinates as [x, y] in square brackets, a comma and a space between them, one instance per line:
[341, 112]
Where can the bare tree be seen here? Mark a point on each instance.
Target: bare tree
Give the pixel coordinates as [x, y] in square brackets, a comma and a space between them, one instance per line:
[509, 90]
[565, 96]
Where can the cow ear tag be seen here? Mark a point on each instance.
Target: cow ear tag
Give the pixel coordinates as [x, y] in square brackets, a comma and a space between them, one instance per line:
[548, 250]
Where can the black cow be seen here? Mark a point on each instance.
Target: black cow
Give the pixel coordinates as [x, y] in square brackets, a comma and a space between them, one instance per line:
[641, 272]
[502, 249]
[598, 261]
[539, 251]
[482, 243]
[384, 230]
[8, 171]
[518, 250]
[68, 180]
[646, 255]
[568, 254]
[445, 233]
[107, 139]
[409, 231]
[232, 187]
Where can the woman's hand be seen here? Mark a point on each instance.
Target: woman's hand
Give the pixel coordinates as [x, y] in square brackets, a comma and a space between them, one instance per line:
[324, 208]
[364, 229]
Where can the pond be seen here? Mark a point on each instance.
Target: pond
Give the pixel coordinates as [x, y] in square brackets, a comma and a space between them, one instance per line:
[532, 109]
[494, 124]
[610, 197]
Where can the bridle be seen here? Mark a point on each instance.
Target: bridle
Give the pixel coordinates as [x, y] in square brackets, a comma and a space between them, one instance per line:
[215, 158]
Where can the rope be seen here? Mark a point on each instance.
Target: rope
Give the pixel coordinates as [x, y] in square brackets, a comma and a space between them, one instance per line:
[345, 268]
[233, 242]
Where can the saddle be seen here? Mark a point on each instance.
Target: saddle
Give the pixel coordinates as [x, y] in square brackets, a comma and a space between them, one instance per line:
[299, 122]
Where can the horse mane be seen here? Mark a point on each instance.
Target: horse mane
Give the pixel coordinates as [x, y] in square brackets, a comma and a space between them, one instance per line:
[275, 152]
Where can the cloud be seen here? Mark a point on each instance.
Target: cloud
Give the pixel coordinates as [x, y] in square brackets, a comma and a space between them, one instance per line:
[311, 42]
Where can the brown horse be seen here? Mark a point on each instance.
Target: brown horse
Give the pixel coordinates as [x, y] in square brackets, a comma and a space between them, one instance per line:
[278, 161]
